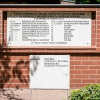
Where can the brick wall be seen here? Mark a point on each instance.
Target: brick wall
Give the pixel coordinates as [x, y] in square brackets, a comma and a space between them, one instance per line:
[84, 62]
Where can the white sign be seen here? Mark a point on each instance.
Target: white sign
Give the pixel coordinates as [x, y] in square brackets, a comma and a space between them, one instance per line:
[50, 71]
[49, 29]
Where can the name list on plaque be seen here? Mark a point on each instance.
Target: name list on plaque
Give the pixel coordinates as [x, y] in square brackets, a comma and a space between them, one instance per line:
[49, 28]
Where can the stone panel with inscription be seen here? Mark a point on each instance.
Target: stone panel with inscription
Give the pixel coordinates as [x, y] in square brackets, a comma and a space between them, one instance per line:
[49, 29]
[50, 71]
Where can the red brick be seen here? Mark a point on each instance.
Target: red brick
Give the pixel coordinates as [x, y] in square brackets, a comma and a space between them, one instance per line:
[81, 67]
[75, 63]
[93, 44]
[23, 67]
[93, 21]
[98, 12]
[72, 85]
[17, 9]
[45, 9]
[94, 76]
[19, 76]
[98, 80]
[98, 49]
[98, 71]
[72, 58]
[82, 51]
[1, 66]
[71, 67]
[13, 63]
[27, 72]
[9, 85]
[0, 31]
[5, 26]
[98, 22]
[93, 26]
[93, 35]
[98, 26]
[75, 71]
[98, 36]
[26, 85]
[0, 41]
[94, 67]
[93, 31]
[75, 81]
[0, 35]
[4, 63]
[18, 72]
[23, 57]
[81, 85]
[81, 76]
[0, 26]
[0, 17]
[88, 62]
[19, 63]
[67, 51]
[75, 9]
[5, 29]
[89, 9]
[5, 22]
[4, 9]
[13, 58]
[20, 80]
[0, 21]
[88, 72]
[98, 17]
[81, 58]
[98, 45]
[88, 80]
[46, 51]
[98, 62]
[94, 58]
[16, 85]
[72, 76]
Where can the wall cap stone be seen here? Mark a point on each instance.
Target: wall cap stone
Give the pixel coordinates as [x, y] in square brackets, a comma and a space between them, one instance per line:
[50, 5]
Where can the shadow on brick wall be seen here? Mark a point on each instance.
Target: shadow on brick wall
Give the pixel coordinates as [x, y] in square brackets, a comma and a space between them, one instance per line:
[12, 76]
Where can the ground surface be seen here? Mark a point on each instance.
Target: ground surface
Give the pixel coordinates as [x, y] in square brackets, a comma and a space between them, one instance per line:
[30, 94]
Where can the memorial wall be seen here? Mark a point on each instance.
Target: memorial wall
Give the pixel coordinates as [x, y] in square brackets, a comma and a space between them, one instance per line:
[49, 47]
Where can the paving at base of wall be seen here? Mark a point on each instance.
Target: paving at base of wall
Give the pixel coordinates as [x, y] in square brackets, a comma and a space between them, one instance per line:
[30, 94]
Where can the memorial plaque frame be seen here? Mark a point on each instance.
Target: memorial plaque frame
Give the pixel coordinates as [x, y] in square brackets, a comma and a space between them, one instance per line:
[73, 39]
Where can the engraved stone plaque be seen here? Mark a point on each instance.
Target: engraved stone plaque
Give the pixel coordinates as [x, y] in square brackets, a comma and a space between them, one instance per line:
[45, 29]
[50, 71]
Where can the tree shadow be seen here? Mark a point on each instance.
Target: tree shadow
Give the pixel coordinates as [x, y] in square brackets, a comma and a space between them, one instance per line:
[33, 64]
[9, 74]
[18, 73]
[8, 94]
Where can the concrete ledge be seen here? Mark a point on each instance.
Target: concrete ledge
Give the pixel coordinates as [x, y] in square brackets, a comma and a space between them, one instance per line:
[28, 94]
